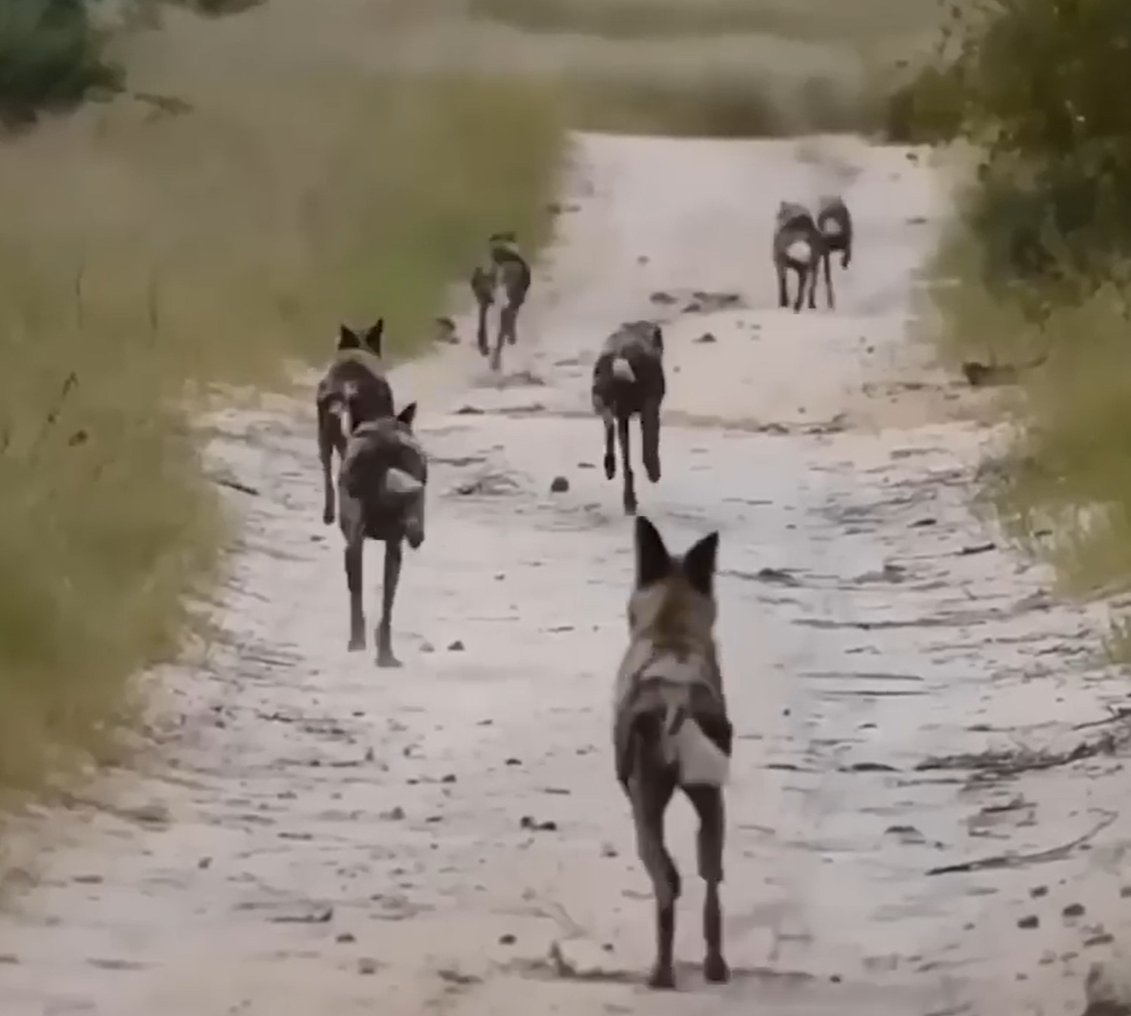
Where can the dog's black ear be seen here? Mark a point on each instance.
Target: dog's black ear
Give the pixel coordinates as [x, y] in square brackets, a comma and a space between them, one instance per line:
[653, 562]
[373, 336]
[699, 564]
[347, 338]
[407, 415]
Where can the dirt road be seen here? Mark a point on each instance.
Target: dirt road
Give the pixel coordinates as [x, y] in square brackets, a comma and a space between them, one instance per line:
[313, 835]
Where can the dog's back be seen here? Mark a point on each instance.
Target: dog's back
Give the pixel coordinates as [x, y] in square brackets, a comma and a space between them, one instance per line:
[835, 223]
[669, 690]
[797, 240]
[629, 372]
[513, 270]
[355, 380]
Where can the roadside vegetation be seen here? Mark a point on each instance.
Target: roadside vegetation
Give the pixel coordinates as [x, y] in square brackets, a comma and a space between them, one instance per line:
[257, 182]
[1042, 257]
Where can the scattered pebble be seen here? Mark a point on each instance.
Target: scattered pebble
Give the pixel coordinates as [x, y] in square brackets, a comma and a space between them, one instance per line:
[1038, 891]
[559, 485]
[1073, 910]
[456, 647]
[706, 338]
[345, 937]
[547, 826]
[366, 966]
[507, 939]
[1028, 922]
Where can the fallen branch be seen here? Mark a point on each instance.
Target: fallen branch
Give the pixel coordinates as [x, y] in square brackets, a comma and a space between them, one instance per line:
[999, 764]
[1018, 860]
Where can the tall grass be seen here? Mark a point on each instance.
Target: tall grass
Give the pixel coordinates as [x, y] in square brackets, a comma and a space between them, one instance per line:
[278, 178]
[1042, 253]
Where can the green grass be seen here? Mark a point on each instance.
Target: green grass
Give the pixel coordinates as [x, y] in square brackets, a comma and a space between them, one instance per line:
[154, 254]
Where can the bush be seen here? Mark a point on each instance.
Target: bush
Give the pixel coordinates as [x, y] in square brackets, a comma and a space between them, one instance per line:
[1043, 256]
[51, 56]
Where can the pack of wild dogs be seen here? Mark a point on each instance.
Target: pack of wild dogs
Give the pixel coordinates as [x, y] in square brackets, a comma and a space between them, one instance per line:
[671, 728]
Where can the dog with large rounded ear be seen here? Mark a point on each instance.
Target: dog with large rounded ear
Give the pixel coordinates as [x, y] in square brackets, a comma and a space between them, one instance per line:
[347, 339]
[373, 337]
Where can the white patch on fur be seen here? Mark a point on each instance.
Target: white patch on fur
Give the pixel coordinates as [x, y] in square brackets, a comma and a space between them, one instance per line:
[700, 760]
[345, 418]
[832, 228]
[622, 369]
[799, 250]
[400, 484]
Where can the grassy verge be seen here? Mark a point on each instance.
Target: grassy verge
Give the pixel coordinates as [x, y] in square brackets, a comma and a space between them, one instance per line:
[285, 181]
[715, 68]
[1042, 258]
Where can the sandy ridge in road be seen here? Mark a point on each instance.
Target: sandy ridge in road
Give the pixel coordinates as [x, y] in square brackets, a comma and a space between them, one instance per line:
[312, 834]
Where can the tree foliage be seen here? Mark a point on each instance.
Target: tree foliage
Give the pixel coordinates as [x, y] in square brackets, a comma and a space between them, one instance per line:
[1039, 86]
[51, 56]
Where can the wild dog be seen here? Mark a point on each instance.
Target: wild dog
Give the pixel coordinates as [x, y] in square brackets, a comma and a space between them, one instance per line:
[352, 390]
[799, 247]
[381, 486]
[671, 729]
[507, 272]
[628, 381]
[834, 220]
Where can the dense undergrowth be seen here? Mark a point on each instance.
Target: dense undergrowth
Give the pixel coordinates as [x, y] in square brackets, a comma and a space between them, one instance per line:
[257, 183]
[1042, 251]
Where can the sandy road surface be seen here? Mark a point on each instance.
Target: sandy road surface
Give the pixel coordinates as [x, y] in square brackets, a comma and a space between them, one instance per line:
[311, 834]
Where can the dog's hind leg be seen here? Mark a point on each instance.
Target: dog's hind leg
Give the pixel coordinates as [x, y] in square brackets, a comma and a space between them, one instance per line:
[626, 466]
[708, 804]
[325, 456]
[829, 298]
[393, 557]
[509, 321]
[500, 338]
[481, 327]
[610, 451]
[783, 286]
[650, 797]
[354, 550]
[802, 278]
[650, 440]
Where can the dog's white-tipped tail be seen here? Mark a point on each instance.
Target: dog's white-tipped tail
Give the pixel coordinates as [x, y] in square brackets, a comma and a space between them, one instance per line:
[832, 228]
[701, 763]
[622, 370]
[799, 251]
[401, 484]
